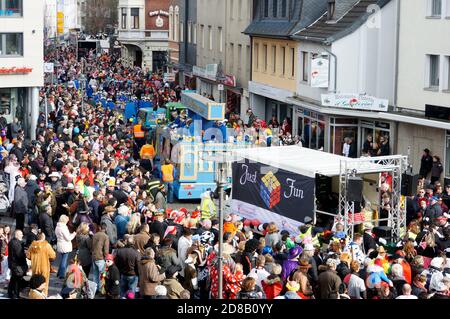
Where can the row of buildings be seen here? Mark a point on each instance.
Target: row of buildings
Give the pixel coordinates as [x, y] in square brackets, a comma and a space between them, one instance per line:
[335, 68]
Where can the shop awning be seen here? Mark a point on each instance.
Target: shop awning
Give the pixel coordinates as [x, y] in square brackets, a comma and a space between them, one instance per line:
[385, 116]
[308, 162]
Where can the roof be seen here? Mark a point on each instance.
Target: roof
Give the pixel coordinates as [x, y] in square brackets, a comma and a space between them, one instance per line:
[303, 14]
[326, 32]
[307, 162]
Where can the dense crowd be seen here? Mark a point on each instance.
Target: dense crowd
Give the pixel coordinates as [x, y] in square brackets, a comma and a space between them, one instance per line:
[87, 191]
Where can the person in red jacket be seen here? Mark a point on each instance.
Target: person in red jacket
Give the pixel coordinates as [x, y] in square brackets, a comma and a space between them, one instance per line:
[273, 285]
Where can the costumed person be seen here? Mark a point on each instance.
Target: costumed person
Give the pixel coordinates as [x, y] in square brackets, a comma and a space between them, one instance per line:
[111, 279]
[290, 265]
[41, 254]
[208, 208]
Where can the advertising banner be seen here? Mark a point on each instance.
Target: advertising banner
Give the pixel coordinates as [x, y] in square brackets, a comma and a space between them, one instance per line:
[319, 73]
[272, 189]
[60, 22]
[355, 102]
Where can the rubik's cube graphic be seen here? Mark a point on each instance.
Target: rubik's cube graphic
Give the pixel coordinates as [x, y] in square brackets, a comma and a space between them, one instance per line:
[270, 190]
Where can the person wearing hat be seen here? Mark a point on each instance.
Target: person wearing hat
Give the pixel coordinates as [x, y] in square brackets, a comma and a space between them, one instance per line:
[426, 163]
[292, 288]
[158, 226]
[301, 276]
[273, 285]
[290, 265]
[433, 211]
[369, 243]
[174, 288]
[55, 181]
[329, 281]
[111, 228]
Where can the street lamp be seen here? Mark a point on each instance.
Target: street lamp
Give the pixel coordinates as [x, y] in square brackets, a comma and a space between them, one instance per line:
[220, 78]
[56, 66]
[222, 158]
[82, 79]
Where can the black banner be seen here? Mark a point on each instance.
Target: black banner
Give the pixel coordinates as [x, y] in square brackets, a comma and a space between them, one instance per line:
[282, 192]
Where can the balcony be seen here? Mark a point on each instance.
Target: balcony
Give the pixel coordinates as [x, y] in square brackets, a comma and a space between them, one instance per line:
[149, 35]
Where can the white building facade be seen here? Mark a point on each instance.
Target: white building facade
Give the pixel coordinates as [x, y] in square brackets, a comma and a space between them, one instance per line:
[360, 59]
[144, 33]
[21, 68]
[70, 10]
[424, 79]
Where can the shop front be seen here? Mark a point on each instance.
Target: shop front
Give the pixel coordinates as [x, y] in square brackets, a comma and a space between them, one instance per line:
[326, 128]
[267, 101]
[12, 101]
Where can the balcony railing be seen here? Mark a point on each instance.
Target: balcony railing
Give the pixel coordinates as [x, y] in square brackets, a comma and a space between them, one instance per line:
[143, 35]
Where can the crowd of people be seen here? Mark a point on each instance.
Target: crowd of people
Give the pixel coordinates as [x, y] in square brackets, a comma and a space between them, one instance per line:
[83, 194]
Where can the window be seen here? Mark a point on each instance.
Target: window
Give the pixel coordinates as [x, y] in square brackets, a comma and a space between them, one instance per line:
[284, 8]
[274, 59]
[124, 18]
[248, 59]
[210, 38]
[232, 9]
[283, 60]
[171, 23]
[220, 39]
[434, 71]
[231, 55]
[274, 8]
[11, 8]
[239, 56]
[11, 44]
[202, 31]
[181, 25]
[305, 66]
[256, 56]
[194, 36]
[292, 62]
[240, 11]
[265, 57]
[189, 37]
[266, 8]
[176, 25]
[436, 8]
[134, 18]
[447, 73]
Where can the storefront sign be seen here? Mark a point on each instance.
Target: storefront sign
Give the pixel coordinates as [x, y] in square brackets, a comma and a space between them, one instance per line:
[355, 102]
[319, 73]
[204, 107]
[230, 80]
[49, 67]
[158, 13]
[15, 70]
[274, 189]
[269, 91]
[169, 77]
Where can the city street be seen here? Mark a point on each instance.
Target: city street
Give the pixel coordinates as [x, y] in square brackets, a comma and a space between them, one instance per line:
[224, 150]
